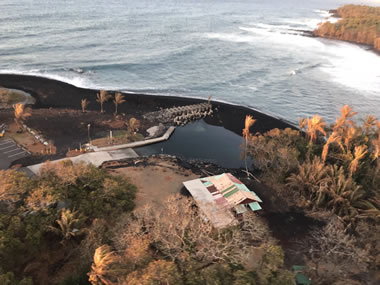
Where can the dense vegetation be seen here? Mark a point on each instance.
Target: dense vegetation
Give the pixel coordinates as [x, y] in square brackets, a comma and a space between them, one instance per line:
[360, 24]
[45, 221]
[73, 224]
[175, 245]
[333, 171]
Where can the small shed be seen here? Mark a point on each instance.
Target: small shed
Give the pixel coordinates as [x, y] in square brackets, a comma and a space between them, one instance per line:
[301, 278]
[221, 196]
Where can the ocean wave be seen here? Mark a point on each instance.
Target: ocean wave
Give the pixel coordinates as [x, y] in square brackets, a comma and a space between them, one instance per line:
[288, 39]
[229, 37]
[353, 66]
[323, 13]
[78, 81]
[303, 23]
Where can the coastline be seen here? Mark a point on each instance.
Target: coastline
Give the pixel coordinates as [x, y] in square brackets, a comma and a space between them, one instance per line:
[355, 25]
[50, 93]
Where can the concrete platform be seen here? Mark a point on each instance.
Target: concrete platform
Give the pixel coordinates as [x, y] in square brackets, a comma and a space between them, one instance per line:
[95, 158]
[137, 144]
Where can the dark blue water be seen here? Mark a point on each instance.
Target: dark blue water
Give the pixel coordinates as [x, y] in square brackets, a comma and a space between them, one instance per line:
[244, 51]
[200, 140]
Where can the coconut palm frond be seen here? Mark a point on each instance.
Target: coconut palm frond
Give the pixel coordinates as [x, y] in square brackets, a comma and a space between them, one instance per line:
[369, 125]
[249, 121]
[119, 99]
[102, 97]
[101, 271]
[314, 125]
[333, 138]
[359, 153]
[301, 123]
[21, 112]
[84, 104]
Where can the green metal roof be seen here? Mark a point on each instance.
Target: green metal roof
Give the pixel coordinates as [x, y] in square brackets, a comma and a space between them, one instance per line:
[254, 206]
[301, 278]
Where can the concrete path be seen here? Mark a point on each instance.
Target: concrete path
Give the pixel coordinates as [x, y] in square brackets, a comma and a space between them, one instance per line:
[95, 158]
[137, 144]
[9, 152]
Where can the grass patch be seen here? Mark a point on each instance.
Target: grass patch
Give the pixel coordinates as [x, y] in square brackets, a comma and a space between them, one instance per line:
[118, 137]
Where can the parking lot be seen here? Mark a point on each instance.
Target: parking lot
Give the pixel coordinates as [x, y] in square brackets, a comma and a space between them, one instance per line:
[9, 152]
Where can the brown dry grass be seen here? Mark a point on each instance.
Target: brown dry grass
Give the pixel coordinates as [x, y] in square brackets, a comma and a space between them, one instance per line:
[156, 181]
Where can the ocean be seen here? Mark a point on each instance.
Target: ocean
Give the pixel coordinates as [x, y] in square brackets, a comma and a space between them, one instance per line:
[247, 52]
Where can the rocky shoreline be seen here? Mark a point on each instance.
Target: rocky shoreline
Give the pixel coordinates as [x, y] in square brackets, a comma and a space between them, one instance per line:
[357, 24]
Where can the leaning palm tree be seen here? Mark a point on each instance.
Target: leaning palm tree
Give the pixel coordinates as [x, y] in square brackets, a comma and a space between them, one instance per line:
[359, 153]
[334, 138]
[84, 104]
[102, 97]
[249, 121]
[101, 271]
[119, 99]
[66, 225]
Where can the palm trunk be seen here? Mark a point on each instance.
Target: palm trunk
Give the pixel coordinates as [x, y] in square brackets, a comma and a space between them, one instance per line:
[245, 156]
[115, 109]
[101, 107]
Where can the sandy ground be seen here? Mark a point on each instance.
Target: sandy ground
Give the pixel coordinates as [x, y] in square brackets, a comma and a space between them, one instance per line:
[156, 181]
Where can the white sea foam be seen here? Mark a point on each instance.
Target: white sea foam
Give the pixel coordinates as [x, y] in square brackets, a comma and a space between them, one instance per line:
[323, 13]
[284, 38]
[78, 81]
[231, 37]
[353, 66]
[303, 23]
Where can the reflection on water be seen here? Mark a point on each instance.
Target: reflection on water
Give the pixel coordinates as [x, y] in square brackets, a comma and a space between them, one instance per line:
[199, 140]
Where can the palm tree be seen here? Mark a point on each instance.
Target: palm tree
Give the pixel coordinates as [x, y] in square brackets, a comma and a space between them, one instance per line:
[359, 153]
[21, 112]
[345, 196]
[345, 118]
[119, 99]
[209, 100]
[249, 121]
[335, 137]
[84, 104]
[133, 125]
[66, 225]
[315, 125]
[369, 125]
[310, 180]
[102, 97]
[101, 271]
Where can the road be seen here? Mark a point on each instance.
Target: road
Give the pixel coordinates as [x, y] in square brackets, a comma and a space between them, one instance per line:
[9, 152]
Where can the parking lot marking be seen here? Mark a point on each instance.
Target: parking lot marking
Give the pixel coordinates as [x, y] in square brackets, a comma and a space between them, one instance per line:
[16, 154]
[7, 147]
[4, 143]
[8, 151]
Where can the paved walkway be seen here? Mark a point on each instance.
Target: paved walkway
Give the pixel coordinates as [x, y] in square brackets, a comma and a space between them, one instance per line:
[9, 152]
[137, 144]
[95, 158]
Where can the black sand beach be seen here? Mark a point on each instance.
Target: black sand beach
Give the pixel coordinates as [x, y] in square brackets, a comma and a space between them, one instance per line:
[55, 94]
